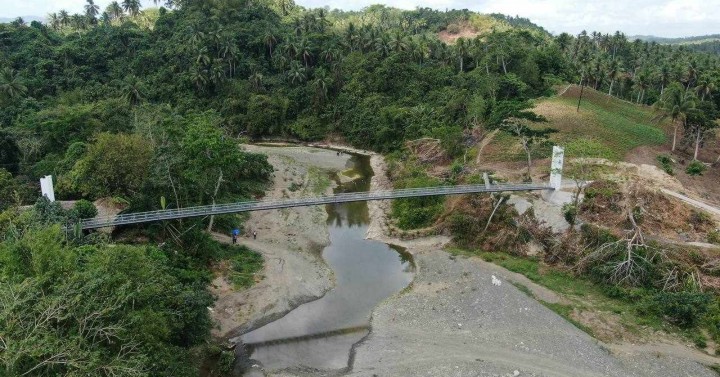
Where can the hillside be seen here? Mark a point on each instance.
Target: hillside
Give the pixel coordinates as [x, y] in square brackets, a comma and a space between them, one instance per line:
[679, 41]
[610, 128]
[27, 19]
[614, 126]
[605, 127]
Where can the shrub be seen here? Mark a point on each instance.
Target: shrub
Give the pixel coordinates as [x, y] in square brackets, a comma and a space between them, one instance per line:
[698, 218]
[244, 265]
[667, 163]
[714, 237]
[570, 213]
[682, 308]
[84, 209]
[696, 168]
[453, 29]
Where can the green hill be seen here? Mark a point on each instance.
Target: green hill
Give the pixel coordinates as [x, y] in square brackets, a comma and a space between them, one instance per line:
[607, 127]
[614, 126]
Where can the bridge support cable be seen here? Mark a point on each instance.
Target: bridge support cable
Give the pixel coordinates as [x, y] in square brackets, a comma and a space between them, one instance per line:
[260, 205]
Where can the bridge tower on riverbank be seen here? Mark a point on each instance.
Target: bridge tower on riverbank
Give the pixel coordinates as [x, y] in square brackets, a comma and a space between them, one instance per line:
[558, 159]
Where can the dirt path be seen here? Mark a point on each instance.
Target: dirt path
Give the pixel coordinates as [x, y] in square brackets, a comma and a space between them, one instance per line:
[484, 143]
[290, 240]
[695, 203]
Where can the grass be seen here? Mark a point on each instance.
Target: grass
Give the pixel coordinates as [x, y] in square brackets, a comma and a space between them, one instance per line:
[244, 265]
[615, 126]
[318, 181]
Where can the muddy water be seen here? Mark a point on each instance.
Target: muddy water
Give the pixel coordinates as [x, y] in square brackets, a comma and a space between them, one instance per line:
[320, 334]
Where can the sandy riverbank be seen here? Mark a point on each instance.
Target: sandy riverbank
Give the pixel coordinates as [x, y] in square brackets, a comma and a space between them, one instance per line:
[455, 321]
[290, 240]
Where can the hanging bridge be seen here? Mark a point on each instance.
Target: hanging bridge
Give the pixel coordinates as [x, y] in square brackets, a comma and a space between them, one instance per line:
[260, 205]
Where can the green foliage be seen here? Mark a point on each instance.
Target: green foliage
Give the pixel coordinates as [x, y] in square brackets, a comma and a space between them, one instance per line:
[244, 264]
[46, 212]
[714, 237]
[570, 213]
[415, 213]
[695, 168]
[7, 189]
[114, 165]
[685, 309]
[266, 115]
[84, 209]
[667, 163]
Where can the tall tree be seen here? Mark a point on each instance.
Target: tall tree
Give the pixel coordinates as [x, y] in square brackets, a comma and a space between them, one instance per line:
[114, 10]
[91, 10]
[677, 104]
[11, 86]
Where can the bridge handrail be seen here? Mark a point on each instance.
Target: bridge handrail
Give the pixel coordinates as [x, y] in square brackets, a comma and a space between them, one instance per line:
[248, 205]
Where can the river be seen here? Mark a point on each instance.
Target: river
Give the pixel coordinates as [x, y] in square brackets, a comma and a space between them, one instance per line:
[320, 335]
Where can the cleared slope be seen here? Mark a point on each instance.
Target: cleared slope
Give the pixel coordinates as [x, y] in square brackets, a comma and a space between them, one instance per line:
[612, 126]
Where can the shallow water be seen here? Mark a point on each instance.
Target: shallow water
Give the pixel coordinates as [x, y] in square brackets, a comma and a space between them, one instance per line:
[321, 333]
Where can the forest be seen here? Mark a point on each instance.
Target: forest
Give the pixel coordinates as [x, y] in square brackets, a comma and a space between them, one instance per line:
[146, 108]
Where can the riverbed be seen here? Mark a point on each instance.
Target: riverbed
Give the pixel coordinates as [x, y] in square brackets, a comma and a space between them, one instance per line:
[320, 335]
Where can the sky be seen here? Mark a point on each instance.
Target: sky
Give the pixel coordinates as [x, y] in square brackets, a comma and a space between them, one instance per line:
[664, 18]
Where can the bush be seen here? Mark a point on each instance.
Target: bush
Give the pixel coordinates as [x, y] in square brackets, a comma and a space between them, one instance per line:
[695, 168]
[684, 309]
[244, 265]
[667, 163]
[570, 213]
[84, 209]
[453, 29]
[714, 237]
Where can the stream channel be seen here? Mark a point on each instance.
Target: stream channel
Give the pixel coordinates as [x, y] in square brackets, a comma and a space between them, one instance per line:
[320, 335]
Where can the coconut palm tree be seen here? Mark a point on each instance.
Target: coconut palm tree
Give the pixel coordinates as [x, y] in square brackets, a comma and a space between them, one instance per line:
[53, 21]
[64, 18]
[461, 47]
[114, 10]
[398, 42]
[613, 73]
[705, 87]
[91, 9]
[304, 50]
[270, 41]
[296, 73]
[11, 86]
[132, 7]
[321, 84]
[677, 104]
[106, 19]
[256, 80]
[382, 45]
[664, 78]
[79, 22]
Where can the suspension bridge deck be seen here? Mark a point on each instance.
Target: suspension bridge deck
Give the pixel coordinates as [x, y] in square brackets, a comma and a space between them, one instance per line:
[260, 205]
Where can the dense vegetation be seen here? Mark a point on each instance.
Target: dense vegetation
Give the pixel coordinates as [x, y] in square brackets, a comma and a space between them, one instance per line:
[147, 108]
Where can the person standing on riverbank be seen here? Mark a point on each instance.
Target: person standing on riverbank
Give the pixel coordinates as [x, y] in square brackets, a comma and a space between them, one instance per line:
[235, 233]
[254, 234]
